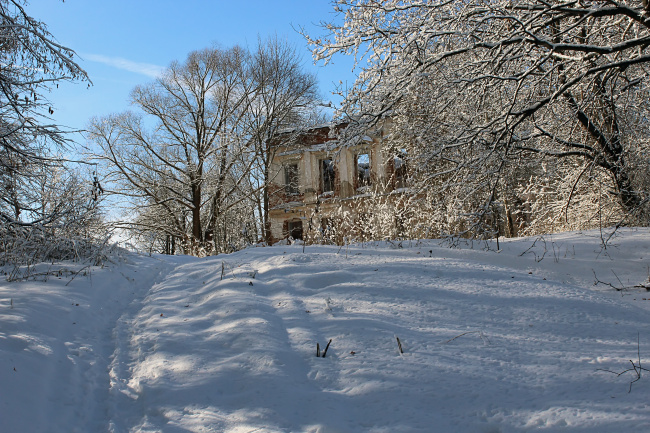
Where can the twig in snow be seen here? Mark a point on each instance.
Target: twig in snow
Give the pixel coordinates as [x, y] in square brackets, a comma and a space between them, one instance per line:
[223, 270]
[458, 336]
[74, 274]
[399, 345]
[637, 368]
[619, 280]
[618, 289]
[318, 353]
[484, 337]
[30, 274]
[326, 347]
[345, 244]
[394, 245]
[530, 249]
[622, 287]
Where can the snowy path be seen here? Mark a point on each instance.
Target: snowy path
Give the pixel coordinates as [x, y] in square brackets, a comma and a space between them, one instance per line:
[66, 336]
[492, 342]
[125, 405]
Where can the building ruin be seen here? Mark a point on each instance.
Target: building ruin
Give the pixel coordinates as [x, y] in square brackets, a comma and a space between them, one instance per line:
[320, 189]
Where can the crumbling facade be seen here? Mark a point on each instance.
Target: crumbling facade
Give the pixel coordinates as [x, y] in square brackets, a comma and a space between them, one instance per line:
[320, 190]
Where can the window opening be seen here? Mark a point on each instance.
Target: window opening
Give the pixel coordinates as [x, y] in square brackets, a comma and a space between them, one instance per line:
[291, 185]
[327, 175]
[363, 170]
[295, 229]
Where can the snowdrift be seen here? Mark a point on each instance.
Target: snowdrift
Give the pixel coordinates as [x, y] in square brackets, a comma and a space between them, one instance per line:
[511, 341]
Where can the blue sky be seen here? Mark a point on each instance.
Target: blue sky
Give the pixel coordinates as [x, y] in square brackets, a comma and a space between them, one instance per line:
[123, 43]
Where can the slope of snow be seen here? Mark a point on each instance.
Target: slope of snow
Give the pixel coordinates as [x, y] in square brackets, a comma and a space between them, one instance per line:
[508, 341]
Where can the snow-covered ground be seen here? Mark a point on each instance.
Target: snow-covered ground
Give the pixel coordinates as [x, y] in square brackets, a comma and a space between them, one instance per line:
[492, 341]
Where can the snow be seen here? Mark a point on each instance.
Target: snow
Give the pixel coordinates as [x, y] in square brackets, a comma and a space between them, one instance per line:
[493, 341]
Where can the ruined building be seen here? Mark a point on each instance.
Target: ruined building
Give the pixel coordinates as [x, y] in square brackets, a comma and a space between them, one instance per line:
[320, 190]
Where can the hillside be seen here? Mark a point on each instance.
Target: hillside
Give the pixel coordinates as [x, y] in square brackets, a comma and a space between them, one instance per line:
[508, 341]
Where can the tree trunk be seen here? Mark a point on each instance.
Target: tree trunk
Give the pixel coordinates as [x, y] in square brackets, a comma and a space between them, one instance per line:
[197, 239]
[265, 217]
[266, 222]
[611, 153]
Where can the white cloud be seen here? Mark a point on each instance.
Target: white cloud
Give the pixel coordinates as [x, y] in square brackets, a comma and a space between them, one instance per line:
[127, 65]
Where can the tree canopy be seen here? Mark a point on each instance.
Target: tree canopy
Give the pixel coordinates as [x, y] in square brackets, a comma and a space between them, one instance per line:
[490, 93]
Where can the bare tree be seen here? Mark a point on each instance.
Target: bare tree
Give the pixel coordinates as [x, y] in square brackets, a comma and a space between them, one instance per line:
[195, 166]
[31, 62]
[48, 210]
[487, 92]
[182, 167]
[287, 98]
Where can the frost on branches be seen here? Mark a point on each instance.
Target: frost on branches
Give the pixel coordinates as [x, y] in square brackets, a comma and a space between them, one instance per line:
[47, 210]
[518, 116]
[191, 165]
